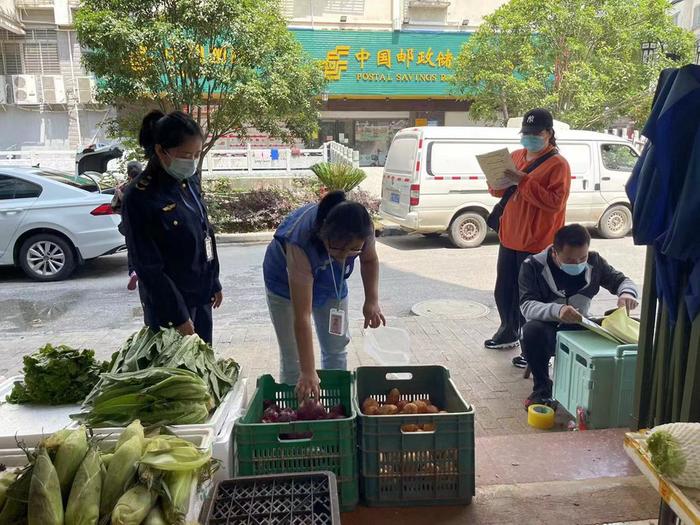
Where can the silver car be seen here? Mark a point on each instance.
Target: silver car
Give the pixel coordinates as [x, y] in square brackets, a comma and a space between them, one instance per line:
[52, 221]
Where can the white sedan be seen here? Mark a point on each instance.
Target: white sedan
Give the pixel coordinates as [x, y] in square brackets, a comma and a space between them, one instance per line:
[51, 221]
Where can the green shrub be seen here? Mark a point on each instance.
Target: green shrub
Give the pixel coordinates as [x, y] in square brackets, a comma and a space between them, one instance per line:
[338, 176]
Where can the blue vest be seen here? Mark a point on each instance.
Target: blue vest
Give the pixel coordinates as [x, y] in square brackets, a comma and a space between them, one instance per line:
[297, 229]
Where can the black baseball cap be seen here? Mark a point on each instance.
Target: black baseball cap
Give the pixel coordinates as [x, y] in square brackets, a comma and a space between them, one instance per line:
[537, 120]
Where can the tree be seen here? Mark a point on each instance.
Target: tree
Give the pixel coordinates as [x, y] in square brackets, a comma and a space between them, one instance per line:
[230, 64]
[582, 59]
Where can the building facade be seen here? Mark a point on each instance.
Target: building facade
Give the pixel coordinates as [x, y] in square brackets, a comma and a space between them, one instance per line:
[387, 63]
[46, 99]
[686, 14]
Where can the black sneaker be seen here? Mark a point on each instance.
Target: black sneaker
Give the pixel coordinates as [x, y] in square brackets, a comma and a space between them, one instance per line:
[501, 345]
[538, 399]
[519, 361]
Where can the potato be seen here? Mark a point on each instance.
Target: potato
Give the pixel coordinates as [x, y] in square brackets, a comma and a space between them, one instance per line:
[432, 409]
[410, 408]
[372, 410]
[428, 427]
[387, 410]
[409, 428]
[422, 406]
[393, 397]
[368, 403]
[400, 404]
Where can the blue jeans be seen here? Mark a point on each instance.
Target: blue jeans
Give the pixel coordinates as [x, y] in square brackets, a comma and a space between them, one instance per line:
[333, 353]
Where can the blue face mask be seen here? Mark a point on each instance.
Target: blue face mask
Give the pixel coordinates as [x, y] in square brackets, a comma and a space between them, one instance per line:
[574, 269]
[533, 143]
[181, 169]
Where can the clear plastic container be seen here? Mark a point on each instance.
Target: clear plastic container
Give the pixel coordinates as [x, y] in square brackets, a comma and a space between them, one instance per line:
[388, 346]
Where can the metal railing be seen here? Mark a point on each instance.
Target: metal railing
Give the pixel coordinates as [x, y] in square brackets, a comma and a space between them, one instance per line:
[250, 161]
[338, 153]
[243, 162]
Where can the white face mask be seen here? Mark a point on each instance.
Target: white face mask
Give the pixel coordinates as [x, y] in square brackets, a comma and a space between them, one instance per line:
[180, 169]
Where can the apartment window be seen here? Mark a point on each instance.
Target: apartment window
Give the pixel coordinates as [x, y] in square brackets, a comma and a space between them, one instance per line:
[34, 53]
[10, 58]
[696, 17]
[676, 19]
[41, 58]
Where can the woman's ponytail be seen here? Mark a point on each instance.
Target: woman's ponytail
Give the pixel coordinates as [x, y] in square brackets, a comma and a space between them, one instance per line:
[147, 134]
[328, 202]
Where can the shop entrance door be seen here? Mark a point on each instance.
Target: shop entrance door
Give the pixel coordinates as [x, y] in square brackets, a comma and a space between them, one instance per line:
[373, 138]
[342, 131]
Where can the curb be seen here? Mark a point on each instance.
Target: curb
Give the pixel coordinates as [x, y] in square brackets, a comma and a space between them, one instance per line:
[244, 238]
[265, 237]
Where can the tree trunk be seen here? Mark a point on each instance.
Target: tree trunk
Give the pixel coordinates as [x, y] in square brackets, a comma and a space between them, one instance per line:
[504, 110]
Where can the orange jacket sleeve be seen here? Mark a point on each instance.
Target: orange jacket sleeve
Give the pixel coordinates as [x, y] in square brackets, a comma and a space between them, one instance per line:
[496, 193]
[550, 193]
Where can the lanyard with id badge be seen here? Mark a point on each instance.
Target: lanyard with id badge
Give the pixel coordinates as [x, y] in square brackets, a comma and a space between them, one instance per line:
[208, 245]
[336, 320]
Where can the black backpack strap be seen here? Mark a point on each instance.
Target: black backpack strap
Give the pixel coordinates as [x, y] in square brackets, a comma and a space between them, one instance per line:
[541, 160]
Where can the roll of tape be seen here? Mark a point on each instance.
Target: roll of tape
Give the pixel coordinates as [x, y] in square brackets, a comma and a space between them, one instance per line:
[540, 416]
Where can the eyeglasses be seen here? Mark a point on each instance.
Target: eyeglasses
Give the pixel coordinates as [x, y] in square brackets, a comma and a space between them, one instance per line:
[344, 251]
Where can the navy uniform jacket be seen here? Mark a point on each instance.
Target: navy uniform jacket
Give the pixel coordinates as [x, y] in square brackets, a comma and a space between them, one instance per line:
[166, 226]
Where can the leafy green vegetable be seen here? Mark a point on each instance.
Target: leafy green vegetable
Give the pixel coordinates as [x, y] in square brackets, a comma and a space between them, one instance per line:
[167, 348]
[57, 375]
[155, 396]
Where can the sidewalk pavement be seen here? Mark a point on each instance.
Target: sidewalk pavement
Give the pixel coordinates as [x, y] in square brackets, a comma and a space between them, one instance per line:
[485, 378]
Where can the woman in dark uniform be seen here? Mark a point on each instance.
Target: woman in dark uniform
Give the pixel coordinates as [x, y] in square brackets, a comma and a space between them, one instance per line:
[168, 232]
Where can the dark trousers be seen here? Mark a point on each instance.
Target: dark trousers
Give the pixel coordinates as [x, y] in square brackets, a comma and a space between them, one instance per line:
[201, 318]
[507, 294]
[539, 343]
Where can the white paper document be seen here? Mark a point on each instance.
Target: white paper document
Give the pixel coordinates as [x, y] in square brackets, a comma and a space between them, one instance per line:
[494, 164]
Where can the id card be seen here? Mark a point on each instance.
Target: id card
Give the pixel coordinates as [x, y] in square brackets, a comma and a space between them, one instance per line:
[208, 248]
[336, 322]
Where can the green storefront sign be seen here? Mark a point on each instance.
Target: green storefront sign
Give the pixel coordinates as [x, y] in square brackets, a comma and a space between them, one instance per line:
[385, 64]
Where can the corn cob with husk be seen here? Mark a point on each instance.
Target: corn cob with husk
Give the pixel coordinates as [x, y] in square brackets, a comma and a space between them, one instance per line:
[121, 474]
[106, 459]
[134, 429]
[170, 453]
[179, 487]
[15, 509]
[6, 479]
[45, 503]
[84, 501]
[68, 458]
[156, 517]
[134, 505]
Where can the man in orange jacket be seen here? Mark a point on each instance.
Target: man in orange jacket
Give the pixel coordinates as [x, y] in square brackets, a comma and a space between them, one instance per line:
[531, 217]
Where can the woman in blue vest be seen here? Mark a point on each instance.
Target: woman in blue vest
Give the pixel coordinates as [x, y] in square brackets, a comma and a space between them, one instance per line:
[306, 268]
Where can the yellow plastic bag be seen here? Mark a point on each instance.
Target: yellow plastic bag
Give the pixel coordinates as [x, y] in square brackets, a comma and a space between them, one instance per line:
[622, 326]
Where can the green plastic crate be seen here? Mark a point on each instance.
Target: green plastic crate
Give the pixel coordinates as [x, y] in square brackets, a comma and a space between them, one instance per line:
[399, 469]
[275, 448]
[600, 379]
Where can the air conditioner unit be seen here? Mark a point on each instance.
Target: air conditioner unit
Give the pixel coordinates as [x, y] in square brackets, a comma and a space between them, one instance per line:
[53, 89]
[3, 90]
[24, 89]
[86, 90]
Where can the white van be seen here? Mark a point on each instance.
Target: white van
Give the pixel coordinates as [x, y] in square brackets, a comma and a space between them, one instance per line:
[432, 183]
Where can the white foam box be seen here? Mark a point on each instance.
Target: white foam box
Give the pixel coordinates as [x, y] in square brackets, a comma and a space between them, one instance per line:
[14, 458]
[29, 423]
